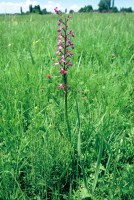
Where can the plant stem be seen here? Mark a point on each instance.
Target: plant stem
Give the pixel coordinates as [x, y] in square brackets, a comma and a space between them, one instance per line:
[65, 82]
[65, 75]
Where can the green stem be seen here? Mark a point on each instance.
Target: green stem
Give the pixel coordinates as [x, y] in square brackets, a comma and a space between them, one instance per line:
[66, 86]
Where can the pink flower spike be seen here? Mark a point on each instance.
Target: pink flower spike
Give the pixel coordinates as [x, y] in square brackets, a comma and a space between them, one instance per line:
[63, 71]
[52, 58]
[61, 86]
[49, 76]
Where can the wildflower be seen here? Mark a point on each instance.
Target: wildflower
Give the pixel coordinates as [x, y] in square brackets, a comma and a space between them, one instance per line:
[71, 33]
[69, 17]
[60, 43]
[60, 36]
[59, 30]
[49, 76]
[63, 71]
[52, 58]
[63, 61]
[69, 63]
[56, 10]
[56, 52]
[63, 58]
[61, 86]
[70, 54]
[59, 23]
[59, 49]
[64, 44]
[64, 53]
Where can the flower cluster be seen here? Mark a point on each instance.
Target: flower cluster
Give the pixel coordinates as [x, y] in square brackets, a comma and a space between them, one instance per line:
[64, 47]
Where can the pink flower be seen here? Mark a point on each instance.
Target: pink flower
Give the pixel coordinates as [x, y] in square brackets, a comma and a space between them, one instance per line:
[59, 49]
[63, 71]
[60, 36]
[70, 43]
[61, 21]
[63, 59]
[56, 9]
[69, 63]
[64, 46]
[58, 24]
[62, 86]
[67, 38]
[52, 58]
[71, 33]
[56, 52]
[59, 30]
[70, 54]
[49, 76]
[69, 17]
[59, 42]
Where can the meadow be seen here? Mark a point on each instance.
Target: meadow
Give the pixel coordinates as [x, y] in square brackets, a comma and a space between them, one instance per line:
[38, 159]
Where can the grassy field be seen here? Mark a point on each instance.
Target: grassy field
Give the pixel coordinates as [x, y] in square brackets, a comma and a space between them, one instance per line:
[37, 158]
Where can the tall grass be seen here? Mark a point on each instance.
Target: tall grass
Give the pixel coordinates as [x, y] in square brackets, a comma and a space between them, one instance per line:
[37, 160]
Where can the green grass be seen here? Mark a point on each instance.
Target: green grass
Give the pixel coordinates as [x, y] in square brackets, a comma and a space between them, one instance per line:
[37, 158]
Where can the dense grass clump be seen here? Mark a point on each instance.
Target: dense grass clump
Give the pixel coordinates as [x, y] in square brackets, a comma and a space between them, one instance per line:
[37, 158]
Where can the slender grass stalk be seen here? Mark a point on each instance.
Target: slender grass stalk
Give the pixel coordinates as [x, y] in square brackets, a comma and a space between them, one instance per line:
[98, 165]
[79, 147]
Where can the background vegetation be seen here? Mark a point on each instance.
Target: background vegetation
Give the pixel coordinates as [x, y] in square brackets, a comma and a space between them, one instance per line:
[37, 159]
[103, 6]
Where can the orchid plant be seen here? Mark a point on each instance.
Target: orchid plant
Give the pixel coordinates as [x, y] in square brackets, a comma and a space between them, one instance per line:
[65, 46]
